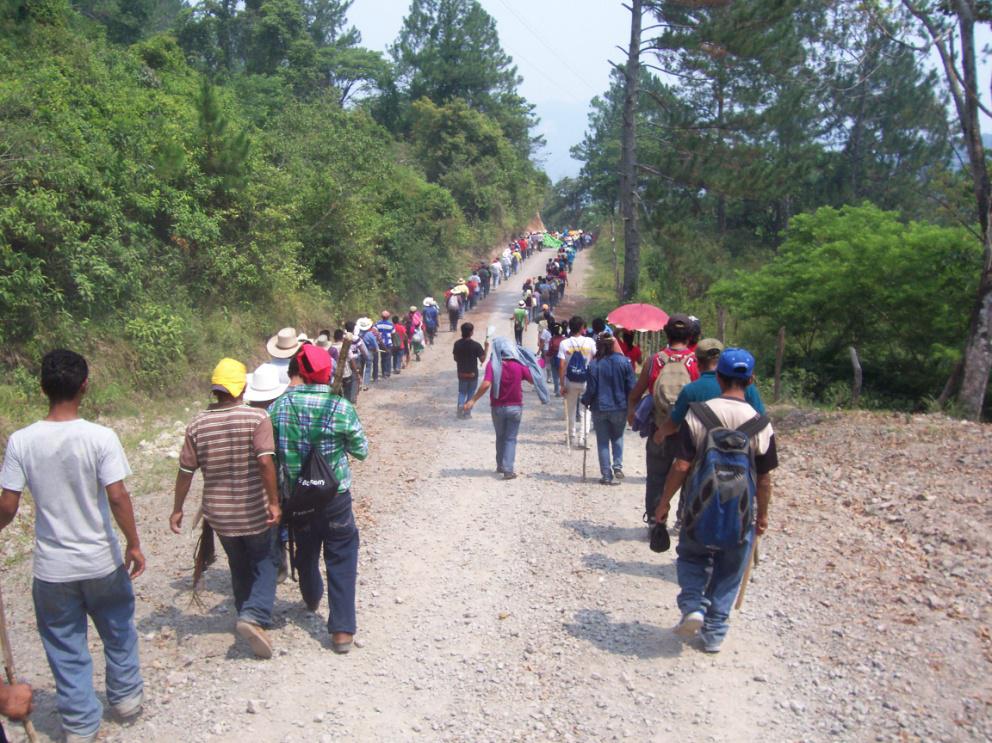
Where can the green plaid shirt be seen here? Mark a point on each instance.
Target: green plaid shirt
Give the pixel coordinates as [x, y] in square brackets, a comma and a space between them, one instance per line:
[309, 413]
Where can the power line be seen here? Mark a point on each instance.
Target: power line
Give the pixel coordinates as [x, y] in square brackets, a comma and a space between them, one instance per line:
[544, 41]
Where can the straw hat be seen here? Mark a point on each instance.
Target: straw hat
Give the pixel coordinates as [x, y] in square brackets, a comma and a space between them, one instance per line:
[264, 384]
[322, 341]
[362, 324]
[284, 344]
[413, 308]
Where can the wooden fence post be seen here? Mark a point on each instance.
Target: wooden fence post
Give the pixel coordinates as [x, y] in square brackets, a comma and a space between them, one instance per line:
[779, 355]
[856, 384]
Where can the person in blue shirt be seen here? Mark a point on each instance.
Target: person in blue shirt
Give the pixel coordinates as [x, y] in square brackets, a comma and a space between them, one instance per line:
[706, 387]
[432, 319]
[386, 328]
[609, 382]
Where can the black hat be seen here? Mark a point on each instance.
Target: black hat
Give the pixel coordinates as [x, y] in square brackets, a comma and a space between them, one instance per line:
[678, 322]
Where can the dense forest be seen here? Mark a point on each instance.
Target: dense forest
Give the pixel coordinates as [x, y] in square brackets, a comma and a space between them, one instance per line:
[180, 177]
[800, 166]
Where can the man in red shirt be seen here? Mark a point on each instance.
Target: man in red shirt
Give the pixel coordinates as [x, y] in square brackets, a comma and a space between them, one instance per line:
[399, 344]
[659, 449]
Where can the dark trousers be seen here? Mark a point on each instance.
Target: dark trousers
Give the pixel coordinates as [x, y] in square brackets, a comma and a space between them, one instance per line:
[659, 460]
[336, 534]
[254, 563]
[453, 320]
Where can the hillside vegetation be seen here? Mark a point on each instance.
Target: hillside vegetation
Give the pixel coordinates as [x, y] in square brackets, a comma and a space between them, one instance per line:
[176, 182]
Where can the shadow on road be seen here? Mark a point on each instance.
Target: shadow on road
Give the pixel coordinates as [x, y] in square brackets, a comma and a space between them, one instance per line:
[624, 638]
[609, 533]
[630, 567]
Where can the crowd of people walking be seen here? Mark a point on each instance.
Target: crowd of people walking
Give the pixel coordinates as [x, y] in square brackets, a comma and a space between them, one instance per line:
[275, 445]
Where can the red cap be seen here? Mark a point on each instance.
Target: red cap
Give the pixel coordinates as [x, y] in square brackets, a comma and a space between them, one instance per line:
[316, 365]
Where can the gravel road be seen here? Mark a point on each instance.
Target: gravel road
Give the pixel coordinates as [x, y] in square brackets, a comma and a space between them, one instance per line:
[533, 610]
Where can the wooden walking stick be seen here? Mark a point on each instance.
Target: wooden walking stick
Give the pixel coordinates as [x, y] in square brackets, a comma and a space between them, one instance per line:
[338, 380]
[8, 667]
[752, 560]
[568, 423]
[585, 439]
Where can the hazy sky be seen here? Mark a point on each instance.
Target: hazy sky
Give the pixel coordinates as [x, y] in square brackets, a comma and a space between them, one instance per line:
[562, 49]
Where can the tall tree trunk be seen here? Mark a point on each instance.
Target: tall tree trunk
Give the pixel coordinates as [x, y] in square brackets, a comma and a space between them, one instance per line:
[978, 349]
[628, 159]
[962, 83]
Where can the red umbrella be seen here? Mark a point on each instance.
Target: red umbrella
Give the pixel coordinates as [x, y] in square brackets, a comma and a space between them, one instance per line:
[643, 317]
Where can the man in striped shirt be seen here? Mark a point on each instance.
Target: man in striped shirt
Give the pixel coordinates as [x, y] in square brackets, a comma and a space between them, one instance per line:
[232, 444]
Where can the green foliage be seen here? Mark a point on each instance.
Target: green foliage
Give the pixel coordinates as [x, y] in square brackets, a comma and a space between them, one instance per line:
[450, 49]
[157, 336]
[177, 198]
[860, 277]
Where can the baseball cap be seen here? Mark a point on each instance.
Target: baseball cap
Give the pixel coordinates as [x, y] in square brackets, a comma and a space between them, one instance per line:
[708, 348]
[681, 322]
[316, 365]
[229, 376]
[735, 363]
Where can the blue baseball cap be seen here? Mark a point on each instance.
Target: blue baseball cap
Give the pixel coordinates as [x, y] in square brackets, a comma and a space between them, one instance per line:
[735, 363]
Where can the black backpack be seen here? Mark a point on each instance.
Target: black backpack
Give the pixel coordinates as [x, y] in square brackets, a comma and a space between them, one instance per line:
[315, 487]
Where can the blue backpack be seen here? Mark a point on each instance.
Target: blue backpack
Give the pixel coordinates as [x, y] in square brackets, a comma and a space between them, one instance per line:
[719, 496]
[578, 368]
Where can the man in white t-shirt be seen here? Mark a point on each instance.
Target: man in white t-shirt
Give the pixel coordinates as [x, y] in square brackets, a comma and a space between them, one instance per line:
[75, 471]
[573, 374]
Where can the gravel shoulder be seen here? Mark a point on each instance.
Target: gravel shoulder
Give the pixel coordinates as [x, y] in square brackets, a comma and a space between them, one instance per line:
[534, 610]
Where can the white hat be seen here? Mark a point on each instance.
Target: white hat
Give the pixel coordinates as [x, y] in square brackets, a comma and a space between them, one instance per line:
[362, 324]
[303, 337]
[428, 301]
[284, 344]
[412, 308]
[521, 303]
[264, 384]
[323, 341]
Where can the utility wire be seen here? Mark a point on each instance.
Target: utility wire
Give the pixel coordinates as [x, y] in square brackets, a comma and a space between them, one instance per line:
[544, 42]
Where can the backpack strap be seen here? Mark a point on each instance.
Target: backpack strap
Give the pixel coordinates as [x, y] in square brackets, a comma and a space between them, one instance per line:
[754, 426]
[706, 416]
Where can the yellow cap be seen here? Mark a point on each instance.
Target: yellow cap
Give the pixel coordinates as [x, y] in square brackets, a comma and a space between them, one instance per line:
[231, 376]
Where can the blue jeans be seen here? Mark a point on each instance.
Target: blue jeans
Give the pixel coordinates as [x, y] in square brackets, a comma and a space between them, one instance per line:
[709, 580]
[555, 374]
[609, 428]
[254, 563]
[506, 421]
[398, 356]
[372, 368]
[60, 610]
[335, 531]
[386, 361]
[466, 388]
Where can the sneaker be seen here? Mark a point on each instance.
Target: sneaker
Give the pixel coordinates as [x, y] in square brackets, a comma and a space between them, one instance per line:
[256, 637]
[509, 475]
[608, 481]
[691, 624]
[711, 644]
[129, 708]
[76, 738]
[618, 473]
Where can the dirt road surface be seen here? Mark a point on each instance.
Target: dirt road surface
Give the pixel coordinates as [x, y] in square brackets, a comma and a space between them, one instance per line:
[533, 610]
